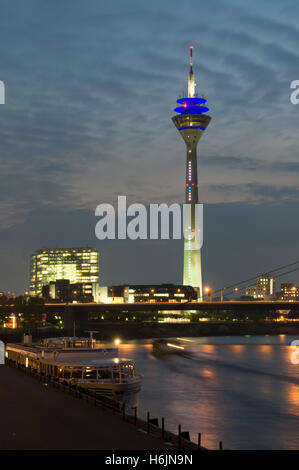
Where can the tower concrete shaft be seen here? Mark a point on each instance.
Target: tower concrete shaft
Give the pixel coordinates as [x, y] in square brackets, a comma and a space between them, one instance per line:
[191, 123]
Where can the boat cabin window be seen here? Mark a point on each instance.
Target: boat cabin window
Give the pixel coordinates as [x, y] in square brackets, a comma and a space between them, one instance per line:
[127, 371]
[77, 374]
[104, 373]
[67, 374]
[90, 374]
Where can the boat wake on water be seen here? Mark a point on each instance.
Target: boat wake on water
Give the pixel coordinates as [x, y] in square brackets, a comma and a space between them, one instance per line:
[177, 349]
[194, 357]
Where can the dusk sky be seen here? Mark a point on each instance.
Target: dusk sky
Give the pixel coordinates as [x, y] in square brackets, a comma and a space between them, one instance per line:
[90, 92]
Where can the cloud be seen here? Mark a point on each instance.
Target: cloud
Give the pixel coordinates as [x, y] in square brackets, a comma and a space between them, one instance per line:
[250, 163]
[256, 192]
[90, 92]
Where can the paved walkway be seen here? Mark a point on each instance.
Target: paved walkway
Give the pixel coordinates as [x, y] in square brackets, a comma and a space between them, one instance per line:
[35, 416]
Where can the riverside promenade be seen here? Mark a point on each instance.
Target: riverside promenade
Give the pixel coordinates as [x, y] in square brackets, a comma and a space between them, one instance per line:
[39, 417]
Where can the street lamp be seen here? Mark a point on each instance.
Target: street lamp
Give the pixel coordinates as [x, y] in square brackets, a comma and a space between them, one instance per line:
[208, 291]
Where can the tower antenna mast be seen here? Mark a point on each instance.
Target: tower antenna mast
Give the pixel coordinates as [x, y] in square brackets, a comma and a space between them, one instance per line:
[191, 82]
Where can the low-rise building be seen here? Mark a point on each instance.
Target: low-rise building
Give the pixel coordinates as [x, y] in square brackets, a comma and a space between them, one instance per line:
[63, 291]
[147, 293]
[264, 288]
[288, 291]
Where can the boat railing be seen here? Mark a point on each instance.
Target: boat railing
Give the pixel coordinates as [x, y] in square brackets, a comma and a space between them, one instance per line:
[133, 379]
[79, 381]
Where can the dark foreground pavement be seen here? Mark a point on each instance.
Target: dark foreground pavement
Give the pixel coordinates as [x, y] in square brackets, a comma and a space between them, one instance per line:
[35, 416]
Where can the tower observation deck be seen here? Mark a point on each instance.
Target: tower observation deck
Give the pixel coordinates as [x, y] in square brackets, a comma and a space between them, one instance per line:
[191, 122]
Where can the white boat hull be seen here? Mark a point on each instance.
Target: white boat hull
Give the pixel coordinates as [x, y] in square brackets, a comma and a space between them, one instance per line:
[124, 393]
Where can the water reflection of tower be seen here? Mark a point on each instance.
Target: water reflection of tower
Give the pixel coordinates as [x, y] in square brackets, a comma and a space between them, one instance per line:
[191, 122]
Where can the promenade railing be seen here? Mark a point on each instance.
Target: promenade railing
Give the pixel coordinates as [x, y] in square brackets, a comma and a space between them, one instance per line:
[150, 425]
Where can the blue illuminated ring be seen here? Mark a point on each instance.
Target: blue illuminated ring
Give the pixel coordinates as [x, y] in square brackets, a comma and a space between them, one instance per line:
[191, 127]
[191, 109]
[191, 101]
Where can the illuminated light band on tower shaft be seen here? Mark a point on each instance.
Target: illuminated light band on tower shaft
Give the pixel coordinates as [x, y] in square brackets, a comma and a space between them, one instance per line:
[191, 122]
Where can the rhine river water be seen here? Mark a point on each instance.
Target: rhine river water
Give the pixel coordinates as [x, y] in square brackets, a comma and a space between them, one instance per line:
[242, 390]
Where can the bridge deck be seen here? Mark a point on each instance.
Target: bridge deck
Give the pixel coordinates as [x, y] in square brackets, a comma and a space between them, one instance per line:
[232, 305]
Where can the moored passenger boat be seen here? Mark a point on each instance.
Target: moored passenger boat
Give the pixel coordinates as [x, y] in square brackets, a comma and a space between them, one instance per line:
[81, 363]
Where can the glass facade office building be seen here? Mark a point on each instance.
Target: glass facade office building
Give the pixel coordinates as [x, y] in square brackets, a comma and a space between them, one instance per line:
[78, 265]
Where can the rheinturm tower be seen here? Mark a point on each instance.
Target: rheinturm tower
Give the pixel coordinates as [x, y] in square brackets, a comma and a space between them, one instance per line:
[191, 122]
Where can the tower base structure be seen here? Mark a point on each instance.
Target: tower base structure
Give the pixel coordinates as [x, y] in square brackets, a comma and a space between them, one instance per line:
[192, 270]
